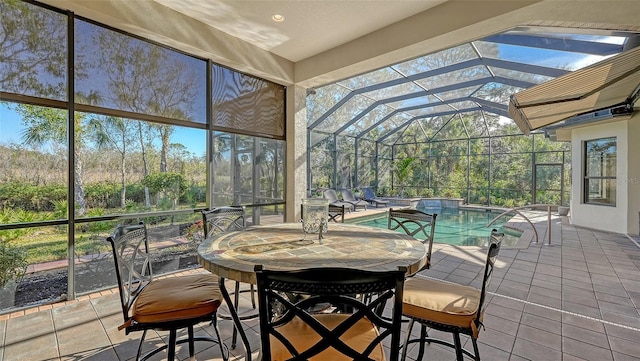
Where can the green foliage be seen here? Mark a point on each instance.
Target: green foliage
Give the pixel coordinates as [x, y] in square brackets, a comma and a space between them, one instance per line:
[9, 216]
[190, 198]
[451, 193]
[194, 195]
[171, 184]
[135, 192]
[59, 209]
[30, 197]
[509, 203]
[402, 170]
[100, 226]
[426, 193]
[384, 191]
[13, 263]
[102, 194]
[132, 206]
[165, 203]
[317, 193]
[410, 192]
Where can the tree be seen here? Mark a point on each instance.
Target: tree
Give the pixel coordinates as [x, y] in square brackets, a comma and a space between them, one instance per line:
[169, 185]
[33, 57]
[142, 78]
[115, 133]
[402, 169]
[33, 61]
[44, 125]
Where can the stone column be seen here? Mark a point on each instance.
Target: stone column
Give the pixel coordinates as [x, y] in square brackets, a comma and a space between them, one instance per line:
[296, 130]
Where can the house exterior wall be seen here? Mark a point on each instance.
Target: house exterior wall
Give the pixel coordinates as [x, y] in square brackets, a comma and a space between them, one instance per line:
[633, 182]
[608, 218]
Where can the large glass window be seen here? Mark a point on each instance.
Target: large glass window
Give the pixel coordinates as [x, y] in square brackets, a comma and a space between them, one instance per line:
[246, 104]
[33, 177]
[117, 71]
[33, 51]
[135, 149]
[129, 166]
[247, 170]
[600, 157]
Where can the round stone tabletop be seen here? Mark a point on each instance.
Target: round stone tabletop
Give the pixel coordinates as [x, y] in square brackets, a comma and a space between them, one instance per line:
[283, 246]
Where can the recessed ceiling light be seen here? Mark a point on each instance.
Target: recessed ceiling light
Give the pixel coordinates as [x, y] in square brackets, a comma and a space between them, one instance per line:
[278, 18]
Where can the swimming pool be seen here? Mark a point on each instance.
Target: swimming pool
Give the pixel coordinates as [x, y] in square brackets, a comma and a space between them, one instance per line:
[455, 226]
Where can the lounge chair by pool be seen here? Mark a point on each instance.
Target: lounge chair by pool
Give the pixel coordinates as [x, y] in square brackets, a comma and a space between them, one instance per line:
[370, 197]
[347, 196]
[332, 196]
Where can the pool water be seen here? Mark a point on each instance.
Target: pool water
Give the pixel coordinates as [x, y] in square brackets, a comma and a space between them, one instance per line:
[460, 227]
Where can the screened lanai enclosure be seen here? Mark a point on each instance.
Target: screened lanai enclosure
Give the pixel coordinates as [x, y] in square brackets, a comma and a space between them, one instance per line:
[100, 127]
[438, 125]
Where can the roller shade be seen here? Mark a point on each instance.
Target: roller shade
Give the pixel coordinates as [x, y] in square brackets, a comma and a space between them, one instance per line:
[601, 85]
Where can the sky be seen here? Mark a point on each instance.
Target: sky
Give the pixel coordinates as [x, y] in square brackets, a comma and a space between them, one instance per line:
[195, 141]
[11, 130]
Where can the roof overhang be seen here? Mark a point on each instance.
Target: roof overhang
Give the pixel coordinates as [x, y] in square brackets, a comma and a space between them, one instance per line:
[612, 82]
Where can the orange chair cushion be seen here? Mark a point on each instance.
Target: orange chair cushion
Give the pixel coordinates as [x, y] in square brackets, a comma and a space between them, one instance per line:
[302, 337]
[177, 298]
[442, 302]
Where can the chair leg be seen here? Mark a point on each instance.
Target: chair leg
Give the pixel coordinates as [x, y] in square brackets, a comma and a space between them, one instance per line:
[458, 344]
[144, 334]
[253, 297]
[423, 337]
[475, 349]
[407, 337]
[421, 340]
[171, 353]
[192, 349]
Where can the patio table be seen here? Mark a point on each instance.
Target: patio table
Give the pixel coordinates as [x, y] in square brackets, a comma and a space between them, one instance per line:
[283, 246]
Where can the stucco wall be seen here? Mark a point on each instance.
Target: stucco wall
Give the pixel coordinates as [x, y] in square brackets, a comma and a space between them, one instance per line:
[633, 182]
[608, 218]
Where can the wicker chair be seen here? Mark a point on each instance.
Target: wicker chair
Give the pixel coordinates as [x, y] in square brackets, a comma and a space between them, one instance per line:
[170, 303]
[317, 314]
[448, 307]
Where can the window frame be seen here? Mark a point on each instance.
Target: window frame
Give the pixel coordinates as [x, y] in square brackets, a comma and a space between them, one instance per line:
[586, 178]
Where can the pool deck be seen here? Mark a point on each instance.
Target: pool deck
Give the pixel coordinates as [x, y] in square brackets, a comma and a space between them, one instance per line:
[577, 298]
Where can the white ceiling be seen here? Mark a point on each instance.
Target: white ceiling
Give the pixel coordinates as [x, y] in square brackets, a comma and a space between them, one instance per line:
[322, 41]
[310, 26]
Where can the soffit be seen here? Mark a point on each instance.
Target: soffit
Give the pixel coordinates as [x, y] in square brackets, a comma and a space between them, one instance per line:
[309, 28]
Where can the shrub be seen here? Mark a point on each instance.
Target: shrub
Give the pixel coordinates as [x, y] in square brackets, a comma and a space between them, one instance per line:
[427, 192]
[451, 193]
[102, 195]
[409, 192]
[13, 263]
[19, 195]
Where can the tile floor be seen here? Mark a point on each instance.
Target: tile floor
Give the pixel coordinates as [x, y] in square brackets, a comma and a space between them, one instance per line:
[576, 299]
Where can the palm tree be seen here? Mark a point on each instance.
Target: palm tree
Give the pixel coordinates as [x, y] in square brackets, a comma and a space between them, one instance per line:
[402, 171]
[44, 125]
